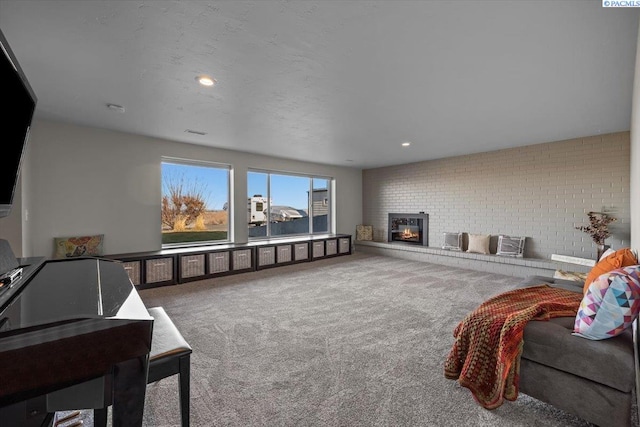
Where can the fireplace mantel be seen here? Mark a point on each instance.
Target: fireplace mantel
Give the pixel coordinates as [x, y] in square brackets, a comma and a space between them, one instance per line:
[410, 228]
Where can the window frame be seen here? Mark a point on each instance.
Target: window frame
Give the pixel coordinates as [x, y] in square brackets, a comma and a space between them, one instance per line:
[229, 201]
[311, 177]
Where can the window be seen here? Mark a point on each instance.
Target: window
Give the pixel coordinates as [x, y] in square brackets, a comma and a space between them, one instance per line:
[320, 205]
[195, 202]
[282, 204]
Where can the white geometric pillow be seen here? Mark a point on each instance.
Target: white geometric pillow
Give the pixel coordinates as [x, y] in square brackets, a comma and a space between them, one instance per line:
[452, 241]
[610, 305]
[510, 246]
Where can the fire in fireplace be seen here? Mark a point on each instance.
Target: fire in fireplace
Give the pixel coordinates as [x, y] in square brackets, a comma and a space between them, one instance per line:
[410, 234]
[410, 228]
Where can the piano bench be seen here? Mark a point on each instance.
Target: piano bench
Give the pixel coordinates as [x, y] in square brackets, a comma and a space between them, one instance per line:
[170, 355]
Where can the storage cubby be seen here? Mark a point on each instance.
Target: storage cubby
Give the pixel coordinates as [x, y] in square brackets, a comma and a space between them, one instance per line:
[266, 256]
[192, 266]
[218, 262]
[283, 254]
[301, 251]
[159, 270]
[181, 265]
[318, 249]
[242, 259]
[133, 269]
[331, 247]
[344, 245]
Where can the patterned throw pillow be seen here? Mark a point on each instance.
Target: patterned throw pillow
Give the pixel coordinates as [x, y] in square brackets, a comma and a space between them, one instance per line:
[364, 232]
[71, 247]
[610, 305]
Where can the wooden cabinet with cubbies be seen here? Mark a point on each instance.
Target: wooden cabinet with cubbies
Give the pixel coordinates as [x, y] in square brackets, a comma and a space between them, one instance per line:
[181, 265]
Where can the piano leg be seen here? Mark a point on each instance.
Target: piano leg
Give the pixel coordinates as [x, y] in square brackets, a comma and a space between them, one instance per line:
[129, 389]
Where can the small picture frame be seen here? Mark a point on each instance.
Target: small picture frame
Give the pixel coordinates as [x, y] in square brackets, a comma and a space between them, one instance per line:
[511, 246]
[452, 241]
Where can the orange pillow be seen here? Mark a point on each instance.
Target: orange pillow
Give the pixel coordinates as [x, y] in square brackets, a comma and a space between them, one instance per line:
[618, 259]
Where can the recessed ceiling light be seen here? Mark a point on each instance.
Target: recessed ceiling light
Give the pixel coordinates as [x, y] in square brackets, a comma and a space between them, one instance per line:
[406, 144]
[205, 80]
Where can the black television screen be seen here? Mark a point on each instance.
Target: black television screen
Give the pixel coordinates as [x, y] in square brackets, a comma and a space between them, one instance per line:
[19, 103]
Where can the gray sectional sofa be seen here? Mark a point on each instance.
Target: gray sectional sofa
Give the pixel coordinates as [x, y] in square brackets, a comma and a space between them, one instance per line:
[595, 380]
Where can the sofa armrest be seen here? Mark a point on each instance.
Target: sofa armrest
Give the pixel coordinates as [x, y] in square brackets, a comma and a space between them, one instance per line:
[569, 285]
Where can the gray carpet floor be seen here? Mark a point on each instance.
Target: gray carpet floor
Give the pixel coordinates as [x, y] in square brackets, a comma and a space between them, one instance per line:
[358, 340]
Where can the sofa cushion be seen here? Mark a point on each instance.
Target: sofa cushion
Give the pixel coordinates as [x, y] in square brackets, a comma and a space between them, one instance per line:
[570, 285]
[608, 362]
[606, 253]
[479, 243]
[610, 305]
[620, 258]
[551, 343]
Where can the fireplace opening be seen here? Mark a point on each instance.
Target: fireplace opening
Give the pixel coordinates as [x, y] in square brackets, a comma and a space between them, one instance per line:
[409, 228]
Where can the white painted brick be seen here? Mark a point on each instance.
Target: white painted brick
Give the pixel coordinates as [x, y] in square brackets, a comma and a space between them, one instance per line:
[540, 191]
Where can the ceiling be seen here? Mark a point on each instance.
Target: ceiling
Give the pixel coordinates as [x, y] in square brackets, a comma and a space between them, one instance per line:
[336, 82]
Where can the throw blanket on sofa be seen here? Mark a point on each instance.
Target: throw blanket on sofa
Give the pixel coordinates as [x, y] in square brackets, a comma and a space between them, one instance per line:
[485, 357]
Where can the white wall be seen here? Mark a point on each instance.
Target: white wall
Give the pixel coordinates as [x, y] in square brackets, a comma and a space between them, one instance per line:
[635, 155]
[11, 225]
[85, 180]
[540, 191]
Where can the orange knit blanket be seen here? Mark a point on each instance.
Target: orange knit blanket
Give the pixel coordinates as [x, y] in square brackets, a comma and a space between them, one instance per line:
[485, 357]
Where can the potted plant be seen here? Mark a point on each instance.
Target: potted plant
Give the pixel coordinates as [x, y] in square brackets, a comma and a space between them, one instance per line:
[598, 229]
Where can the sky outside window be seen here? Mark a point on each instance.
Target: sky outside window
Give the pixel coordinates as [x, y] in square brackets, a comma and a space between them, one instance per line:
[213, 181]
[287, 190]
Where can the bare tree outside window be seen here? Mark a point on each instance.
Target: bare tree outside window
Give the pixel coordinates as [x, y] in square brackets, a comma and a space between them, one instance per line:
[195, 200]
[183, 203]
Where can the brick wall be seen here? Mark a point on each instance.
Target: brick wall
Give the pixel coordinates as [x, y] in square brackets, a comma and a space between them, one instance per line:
[539, 191]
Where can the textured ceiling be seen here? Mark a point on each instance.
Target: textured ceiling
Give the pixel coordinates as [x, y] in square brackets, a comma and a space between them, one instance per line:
[339, 82]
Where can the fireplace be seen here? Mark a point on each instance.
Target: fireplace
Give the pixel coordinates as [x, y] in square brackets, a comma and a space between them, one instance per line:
[409, 228]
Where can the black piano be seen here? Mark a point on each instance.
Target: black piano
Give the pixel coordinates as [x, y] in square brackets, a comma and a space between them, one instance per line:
[74, 334]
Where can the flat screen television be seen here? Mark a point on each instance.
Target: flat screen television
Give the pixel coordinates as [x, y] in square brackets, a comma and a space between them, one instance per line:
[19, 102]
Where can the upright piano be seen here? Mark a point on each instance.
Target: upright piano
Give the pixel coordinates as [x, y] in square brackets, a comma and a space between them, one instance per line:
[73, 334]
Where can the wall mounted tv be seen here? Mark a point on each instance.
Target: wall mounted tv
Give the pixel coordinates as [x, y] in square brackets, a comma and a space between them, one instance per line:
[19, 103]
